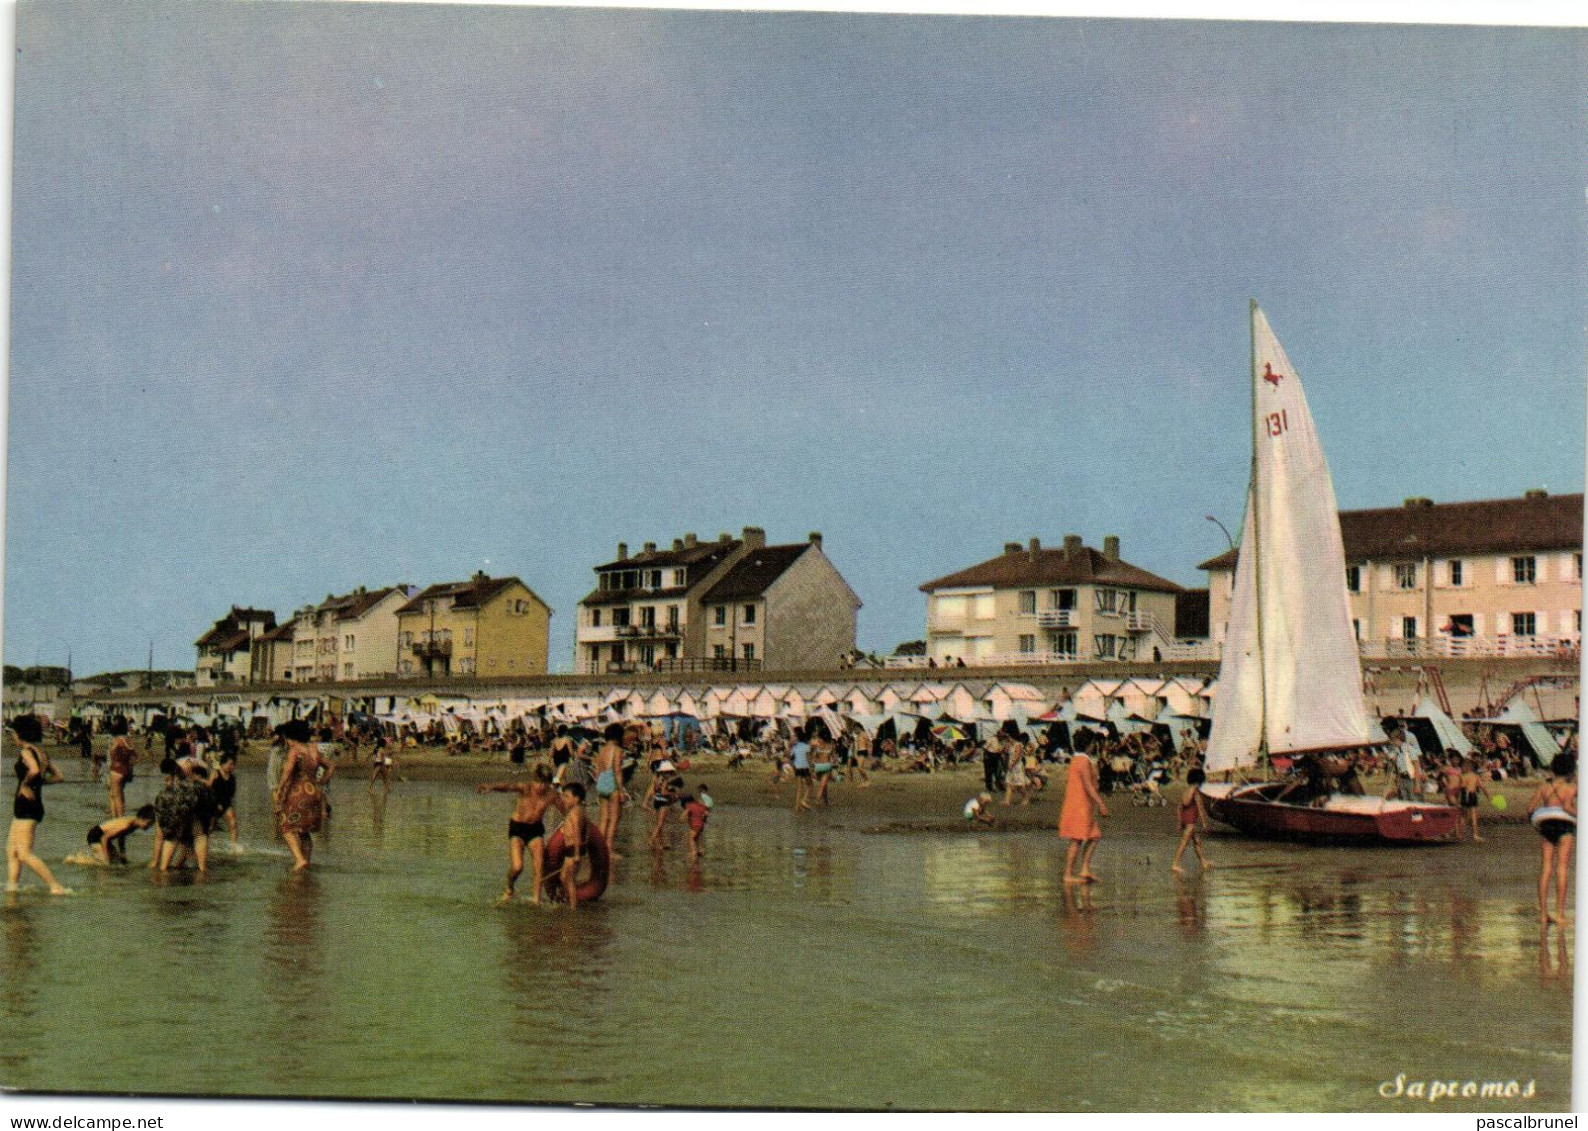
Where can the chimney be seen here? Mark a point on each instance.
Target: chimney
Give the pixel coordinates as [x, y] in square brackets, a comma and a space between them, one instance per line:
[623, 551]
[1417, 502]
[678, 544]
[1072, 546]
[816, 539]
[724, 538]
[1034, 546]
[1111, 547]
[689, 540]
[650, 547]
[481, 575]
[754, 537]
[1535, 493]
[1011, 547]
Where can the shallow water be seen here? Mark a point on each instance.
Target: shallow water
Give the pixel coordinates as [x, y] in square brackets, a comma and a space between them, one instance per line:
[806, 963]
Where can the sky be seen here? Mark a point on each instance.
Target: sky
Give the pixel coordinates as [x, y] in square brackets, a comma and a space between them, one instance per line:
[306, 297]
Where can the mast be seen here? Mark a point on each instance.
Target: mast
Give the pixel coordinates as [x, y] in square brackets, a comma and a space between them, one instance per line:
[1257, 558]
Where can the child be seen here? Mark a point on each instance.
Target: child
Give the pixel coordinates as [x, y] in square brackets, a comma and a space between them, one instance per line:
[1192, 816]
[223, 788]
[979, 809]
[573, 838]
[697, 810]
[108, 839]
[1471, 786]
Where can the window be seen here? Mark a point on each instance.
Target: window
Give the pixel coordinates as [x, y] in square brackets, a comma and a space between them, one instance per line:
[1460, 624]
[1457, 572]
[1409, 628]
[1028, 644]
[1353, 578]
[1107, 602]
[950, 608]
[672, 617]
[749, 617]
[1576, 566]
[595, 618]
[653, 578]
[620, 615]
[749, 651]
[408, 639]
[466, 666]
[1061, 599]
[347, 671]
[1356, 629]
[1406, 575]
[1028, 602]
[1524, 570]
[985, 607]
[719, 615]
[648, 616]
[1105, 646]
[405, 667]
[719, 651]
[1063, 644]
[1524, 624]
[680, 577]
[468, 637]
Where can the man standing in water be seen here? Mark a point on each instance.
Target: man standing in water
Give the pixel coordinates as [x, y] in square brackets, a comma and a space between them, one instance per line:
[526, 829]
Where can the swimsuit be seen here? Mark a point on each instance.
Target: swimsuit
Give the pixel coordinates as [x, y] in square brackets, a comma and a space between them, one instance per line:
[606, 784]
[28, 808]
[526, 831]
[1188, 811]
[1553, 821]
[1469, 799]
[95, 835]
[224, 790]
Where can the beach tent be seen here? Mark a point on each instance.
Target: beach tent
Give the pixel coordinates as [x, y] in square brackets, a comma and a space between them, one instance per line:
[1437, 732]
[1093, 696]
[861, 702]
[1125, 722]
[1522, 720]
[1006, 700]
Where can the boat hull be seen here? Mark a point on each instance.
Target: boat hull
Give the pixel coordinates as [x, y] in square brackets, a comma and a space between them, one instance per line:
[1342, 819]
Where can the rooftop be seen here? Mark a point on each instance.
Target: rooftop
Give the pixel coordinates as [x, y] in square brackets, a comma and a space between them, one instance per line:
[754, 574]
[1072, 564]
[1420, 528]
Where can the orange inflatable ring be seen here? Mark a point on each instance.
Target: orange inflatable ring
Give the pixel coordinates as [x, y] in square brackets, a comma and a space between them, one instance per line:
[595, 850]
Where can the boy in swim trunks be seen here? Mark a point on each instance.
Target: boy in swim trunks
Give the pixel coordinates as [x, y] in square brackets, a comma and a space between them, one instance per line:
[526, 829]
[108, 839]
[223, 789]
[574, 827]
[1471, 786]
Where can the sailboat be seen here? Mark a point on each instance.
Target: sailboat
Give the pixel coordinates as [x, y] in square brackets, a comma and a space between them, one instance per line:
[1290, 680]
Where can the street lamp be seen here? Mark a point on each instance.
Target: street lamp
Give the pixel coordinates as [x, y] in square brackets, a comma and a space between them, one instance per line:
[1222, 527]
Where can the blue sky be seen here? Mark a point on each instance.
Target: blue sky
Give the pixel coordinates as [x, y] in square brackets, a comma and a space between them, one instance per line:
[307, 297]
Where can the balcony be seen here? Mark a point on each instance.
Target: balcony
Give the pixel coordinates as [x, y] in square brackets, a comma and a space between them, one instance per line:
[1057, 618]
[652, 631]
[432, 649]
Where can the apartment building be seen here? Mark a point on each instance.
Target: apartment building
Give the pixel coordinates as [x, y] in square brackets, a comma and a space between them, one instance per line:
[224, 651]
[785, 607]
[347, 637]
[1489, 577]
[1036, 605]
[485, 626]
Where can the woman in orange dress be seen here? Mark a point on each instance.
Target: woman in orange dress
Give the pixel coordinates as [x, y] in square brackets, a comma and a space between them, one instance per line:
[1083, 805]
[300, 795]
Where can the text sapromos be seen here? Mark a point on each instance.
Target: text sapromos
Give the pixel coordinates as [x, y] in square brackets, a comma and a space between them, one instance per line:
[1435, 1090]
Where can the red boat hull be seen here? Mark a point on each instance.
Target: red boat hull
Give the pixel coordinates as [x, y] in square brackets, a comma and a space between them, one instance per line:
[1342, 820]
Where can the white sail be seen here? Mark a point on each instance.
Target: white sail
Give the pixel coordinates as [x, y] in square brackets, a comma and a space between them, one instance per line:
[1290, 674]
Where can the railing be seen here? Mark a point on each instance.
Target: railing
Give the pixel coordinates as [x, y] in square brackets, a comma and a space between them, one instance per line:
[1564, 646]
[669, 664]
[1057, 618]
[432, 649]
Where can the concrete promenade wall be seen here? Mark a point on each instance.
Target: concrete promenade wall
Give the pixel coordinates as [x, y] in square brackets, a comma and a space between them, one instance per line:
[1392, 686]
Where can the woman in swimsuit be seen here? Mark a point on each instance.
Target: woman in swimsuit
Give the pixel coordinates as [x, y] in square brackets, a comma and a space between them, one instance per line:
[33, 770]
[660, 797]
[526, 829]
[122, 756]
[382, 763]
[1193, 816]
[1553, 811]
[608, 765]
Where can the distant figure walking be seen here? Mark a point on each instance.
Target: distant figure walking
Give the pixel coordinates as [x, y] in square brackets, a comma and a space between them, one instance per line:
[1553, 811]
[1193, 817]
[1083, 805]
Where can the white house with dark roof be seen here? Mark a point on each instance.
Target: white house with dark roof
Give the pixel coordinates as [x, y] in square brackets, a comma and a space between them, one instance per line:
[735, 604]
[223, 651]
[1036, 605]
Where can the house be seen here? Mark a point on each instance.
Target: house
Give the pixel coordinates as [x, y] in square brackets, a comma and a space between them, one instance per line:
[1492, 577]
[347, 637]
[225, 651]
[1036, 605]
[485, 626]
[271, 654]
[784, 607]
[735, 604]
